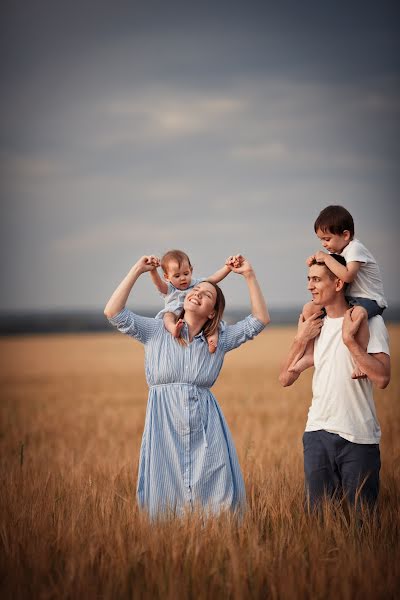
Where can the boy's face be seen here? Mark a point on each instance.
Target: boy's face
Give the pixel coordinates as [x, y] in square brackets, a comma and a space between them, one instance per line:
[179, 276]
[334, 242]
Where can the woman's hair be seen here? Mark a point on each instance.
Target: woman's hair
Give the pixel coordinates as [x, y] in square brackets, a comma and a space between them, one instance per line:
[174, 255]
[211, 325]
[334, 219]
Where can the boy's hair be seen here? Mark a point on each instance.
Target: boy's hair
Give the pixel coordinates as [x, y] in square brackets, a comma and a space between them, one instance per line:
[341, 259]
[334, 219]
[176, 255]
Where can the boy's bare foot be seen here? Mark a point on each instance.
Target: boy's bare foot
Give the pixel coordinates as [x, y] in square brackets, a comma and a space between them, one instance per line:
[358, 374]
[212, 346]
[178, 328]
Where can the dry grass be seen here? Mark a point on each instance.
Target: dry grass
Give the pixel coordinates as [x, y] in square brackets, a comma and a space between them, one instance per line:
[72, 412]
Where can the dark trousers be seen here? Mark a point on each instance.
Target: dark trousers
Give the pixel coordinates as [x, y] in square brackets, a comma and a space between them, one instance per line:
[335, 467]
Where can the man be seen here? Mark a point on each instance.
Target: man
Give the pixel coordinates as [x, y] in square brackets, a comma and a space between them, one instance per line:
[341, 439]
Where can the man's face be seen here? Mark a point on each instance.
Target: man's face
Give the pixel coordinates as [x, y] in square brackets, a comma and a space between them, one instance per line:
[322, 285]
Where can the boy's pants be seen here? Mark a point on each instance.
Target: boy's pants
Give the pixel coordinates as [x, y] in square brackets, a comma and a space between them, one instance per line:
[334, 466]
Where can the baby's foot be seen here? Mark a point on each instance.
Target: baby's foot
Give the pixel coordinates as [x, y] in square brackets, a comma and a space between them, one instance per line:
[212, 346]
[358, 374]
[178, 328]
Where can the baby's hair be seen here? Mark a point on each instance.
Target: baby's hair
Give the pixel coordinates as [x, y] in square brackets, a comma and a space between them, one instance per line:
[176, 255]
[335, 220]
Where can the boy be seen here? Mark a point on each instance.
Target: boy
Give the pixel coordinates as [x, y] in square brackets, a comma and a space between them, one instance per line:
[334, 226]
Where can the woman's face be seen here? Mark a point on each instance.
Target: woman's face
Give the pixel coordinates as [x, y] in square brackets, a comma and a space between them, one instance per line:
[201, 300]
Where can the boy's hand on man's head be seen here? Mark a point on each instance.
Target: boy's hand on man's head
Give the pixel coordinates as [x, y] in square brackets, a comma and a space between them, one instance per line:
[320, 256]
[310, 260]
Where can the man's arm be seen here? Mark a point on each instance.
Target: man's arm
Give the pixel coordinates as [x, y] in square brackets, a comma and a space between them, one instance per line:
[307, 329]
[375, 366]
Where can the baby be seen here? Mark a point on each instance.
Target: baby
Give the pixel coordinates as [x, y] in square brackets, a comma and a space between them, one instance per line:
[177, 281]
[334, 227]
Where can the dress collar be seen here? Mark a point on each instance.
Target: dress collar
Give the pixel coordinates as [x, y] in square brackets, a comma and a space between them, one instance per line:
[185, 333]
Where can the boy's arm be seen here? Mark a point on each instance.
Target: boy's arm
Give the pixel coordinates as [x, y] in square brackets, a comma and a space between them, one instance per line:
[346, 273]
[307, 329]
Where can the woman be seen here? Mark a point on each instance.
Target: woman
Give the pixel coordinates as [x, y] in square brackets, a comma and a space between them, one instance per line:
[187, 456]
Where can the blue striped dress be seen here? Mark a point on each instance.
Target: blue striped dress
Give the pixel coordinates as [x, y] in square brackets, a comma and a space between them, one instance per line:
[187, 456]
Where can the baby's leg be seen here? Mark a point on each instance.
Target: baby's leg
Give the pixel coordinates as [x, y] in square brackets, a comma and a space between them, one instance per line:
[212, 341]
[362, 336]
[300, 363]
[173, 325]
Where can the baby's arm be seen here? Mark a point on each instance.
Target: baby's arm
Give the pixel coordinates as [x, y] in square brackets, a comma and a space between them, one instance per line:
[219, 275]
[161, 285]
[232, 261]
[345, 273]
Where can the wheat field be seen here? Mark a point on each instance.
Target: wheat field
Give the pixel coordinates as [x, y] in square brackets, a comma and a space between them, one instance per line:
[72, 414]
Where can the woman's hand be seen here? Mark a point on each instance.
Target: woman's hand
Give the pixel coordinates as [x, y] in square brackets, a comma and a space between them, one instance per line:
[118, 299]
[239, 264]
[147, 263]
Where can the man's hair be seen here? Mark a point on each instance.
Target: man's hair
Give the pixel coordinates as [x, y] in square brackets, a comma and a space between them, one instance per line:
[341, 259]
[174, 255]
[334, 219]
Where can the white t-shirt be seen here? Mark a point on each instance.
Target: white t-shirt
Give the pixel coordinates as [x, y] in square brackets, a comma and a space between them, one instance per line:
[341, 404]
[368, 281]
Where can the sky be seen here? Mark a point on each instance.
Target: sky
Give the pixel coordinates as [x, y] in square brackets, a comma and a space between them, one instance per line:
[129, 128]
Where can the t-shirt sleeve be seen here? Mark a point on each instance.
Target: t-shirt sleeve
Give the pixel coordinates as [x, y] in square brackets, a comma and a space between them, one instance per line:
[378, 336]
[136, 326]
[241, 332]
[357, 253]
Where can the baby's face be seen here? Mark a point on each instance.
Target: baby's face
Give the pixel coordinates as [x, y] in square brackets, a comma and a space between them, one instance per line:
[179, 276]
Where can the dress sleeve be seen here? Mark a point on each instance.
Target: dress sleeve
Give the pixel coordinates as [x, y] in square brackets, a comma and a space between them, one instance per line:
[241, 332]
[136, 326]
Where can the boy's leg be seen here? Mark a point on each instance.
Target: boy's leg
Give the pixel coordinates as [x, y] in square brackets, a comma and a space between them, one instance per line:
[362, 336]
[212, 341]
[302, 363]
[173, 325]
[306, 361]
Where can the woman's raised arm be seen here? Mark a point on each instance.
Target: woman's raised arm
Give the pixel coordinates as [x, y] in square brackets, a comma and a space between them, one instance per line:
[258, 305]
[120, 296]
